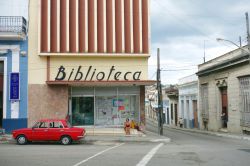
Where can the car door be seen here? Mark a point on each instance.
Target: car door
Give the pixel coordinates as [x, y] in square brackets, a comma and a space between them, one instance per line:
[40, 131]
[56, 129]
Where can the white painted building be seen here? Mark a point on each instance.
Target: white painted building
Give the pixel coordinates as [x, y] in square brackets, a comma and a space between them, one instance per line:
[170, 96]
[151, 104]
[166, 107]
[188, 95]
[224, 84]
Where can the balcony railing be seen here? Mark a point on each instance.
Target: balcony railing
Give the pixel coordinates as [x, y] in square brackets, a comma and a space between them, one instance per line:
[14, 25]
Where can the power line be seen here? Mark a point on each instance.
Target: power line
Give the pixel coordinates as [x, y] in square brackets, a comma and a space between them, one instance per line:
[176, 69]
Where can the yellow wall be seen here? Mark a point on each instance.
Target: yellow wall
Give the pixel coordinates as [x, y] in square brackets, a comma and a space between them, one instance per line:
[122, 65]
[36, 65]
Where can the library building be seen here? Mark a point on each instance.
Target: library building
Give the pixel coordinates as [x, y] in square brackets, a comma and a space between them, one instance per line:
[88, 61]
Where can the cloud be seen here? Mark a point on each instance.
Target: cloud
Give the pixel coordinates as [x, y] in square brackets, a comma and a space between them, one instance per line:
[180, 29]
[14, 8]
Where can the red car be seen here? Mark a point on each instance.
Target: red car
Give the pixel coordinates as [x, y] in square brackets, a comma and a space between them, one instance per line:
[49, 130]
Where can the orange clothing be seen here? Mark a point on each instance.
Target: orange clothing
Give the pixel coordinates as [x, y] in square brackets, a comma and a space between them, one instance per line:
[132, 124]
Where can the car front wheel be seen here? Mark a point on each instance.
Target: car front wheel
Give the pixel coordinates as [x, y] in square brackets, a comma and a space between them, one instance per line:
[65, 140]
[21, 140]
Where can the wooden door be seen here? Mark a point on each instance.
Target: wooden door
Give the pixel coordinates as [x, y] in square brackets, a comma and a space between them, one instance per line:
[176, 114]
[224, 104]
[1, 99]
[224, 97]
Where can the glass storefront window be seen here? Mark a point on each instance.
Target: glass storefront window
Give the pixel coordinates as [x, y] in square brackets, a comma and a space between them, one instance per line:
[107, 107]
[106, 111]
[111, 110]
[129, 107]
[82, 111]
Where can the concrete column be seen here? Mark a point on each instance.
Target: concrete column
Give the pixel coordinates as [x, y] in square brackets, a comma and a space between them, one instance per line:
[142, 105]
[15, 68]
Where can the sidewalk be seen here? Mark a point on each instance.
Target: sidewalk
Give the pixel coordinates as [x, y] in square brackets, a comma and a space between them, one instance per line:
[5, 138]
[147, 137]
[219, 134]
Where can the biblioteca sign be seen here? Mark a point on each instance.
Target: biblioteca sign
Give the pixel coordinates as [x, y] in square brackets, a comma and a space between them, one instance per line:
[90, 73]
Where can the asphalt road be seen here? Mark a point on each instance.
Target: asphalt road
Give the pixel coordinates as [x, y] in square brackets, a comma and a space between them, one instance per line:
[185, 149]
[199, 149]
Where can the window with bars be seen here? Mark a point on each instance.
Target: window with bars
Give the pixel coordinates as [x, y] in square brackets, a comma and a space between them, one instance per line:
[245, 101]
[204, 101]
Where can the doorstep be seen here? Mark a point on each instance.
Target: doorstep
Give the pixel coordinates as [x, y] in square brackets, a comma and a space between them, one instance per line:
[111, 131]
[2, 131]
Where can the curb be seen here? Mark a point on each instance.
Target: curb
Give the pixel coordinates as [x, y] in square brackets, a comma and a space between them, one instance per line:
[93, 139]
[5, 139]
[211, 133]
[108, 139]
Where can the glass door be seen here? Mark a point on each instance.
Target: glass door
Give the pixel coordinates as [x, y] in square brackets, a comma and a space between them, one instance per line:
[82, 111]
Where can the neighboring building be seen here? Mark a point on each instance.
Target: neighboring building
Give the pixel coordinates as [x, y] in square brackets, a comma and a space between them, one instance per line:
[172, 111]
[151, 102]
[88, 61]
[166, 106]
[224, 84]
[13, 72]
[188, 96]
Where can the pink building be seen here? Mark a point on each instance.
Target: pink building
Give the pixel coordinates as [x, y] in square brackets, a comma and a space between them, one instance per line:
[89, 60]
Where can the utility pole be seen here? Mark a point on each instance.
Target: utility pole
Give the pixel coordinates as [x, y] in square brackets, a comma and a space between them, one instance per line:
[204, 57]
[160, 105]
[248, 36]
[240, 41]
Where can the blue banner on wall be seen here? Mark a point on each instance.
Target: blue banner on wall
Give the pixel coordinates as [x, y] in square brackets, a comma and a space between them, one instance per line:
[14, 86]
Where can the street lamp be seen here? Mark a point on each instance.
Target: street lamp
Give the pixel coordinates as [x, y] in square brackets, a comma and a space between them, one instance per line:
[220, 39]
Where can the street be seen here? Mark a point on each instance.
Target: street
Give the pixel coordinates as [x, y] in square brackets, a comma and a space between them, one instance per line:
[185, 149]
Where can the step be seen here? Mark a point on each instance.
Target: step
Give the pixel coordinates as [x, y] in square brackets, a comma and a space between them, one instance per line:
[2, 131]
[111, 131]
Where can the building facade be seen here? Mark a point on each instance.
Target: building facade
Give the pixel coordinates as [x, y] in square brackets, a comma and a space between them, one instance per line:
[166, 106]
[89, 61]
[171, 95]
[13, 72]
[188, 101]
[224, 84]
[151, 103]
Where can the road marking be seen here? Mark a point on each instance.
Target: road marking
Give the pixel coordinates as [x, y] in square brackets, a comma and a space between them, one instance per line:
[148, 156]
[97, 154]
[161, 140]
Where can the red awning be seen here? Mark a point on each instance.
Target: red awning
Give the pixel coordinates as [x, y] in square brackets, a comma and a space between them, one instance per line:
[103, 83]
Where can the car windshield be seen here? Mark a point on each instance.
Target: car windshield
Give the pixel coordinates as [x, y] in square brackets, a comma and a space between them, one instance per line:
[41, 125]
[36, 125]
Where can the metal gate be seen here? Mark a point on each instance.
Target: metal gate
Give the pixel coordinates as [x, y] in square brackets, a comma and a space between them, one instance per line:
[245, 101]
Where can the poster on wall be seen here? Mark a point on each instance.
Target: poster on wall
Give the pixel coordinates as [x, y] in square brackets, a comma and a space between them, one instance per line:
[14, 86]
[117, 102]
[104, 107]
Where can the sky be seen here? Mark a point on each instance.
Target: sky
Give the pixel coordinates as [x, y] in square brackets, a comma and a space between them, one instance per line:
[181, 29]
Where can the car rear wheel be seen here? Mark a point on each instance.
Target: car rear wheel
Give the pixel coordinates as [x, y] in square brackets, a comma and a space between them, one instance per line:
[65, 140]
[21, 140]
